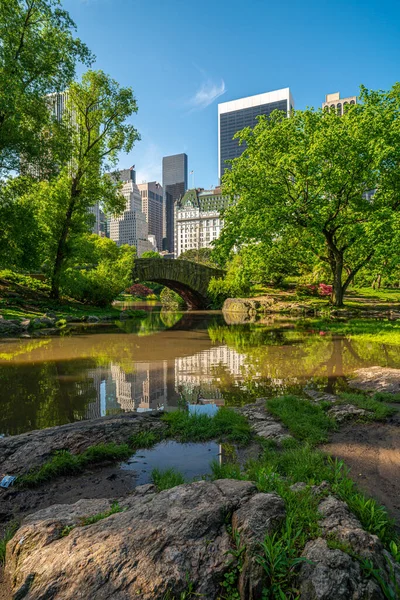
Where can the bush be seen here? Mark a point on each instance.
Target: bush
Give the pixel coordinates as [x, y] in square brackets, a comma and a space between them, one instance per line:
[171, 299]
[138, 290]
[25, 280]
[234, 285]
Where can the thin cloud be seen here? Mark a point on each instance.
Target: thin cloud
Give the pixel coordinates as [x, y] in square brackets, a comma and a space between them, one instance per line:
[207, 93]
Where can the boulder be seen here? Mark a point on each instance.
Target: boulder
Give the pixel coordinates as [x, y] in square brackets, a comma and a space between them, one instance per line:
[344, 412]
[150, 550]
[377, 379]
[262, 423]
[93, 319]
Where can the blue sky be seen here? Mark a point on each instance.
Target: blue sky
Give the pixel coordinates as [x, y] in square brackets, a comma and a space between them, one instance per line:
[182, 57]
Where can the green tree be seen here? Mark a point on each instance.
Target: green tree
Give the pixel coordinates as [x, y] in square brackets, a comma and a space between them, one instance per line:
[38, 54]
[150, 254]
[203, 256]
[96, 118]
[312, 174]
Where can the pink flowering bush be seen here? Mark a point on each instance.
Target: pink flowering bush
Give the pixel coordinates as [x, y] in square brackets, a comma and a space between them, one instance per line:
[138, 290]
[324, 289]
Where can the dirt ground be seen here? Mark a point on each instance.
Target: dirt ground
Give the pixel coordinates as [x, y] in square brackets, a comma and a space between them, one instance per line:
[372, 451]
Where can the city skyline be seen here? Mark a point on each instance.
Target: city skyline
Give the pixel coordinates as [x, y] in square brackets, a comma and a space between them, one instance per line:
[276, 50]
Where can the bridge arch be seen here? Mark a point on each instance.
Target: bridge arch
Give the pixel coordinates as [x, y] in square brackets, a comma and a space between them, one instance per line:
[189, 279]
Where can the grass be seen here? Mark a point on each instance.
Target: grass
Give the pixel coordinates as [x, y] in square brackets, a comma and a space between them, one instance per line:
[65, 463]
[305, 420]
[382, 331]
[378, 409]
[144, 439]
[115, 508]
[226, 425]
[386, 397]
[8, 535]
[166, 479]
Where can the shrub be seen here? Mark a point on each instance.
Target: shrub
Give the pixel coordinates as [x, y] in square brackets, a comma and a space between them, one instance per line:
[25, 280]
[138, 290]
[171, 299]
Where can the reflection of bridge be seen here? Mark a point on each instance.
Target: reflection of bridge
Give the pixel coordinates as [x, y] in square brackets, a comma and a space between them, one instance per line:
[190, 280]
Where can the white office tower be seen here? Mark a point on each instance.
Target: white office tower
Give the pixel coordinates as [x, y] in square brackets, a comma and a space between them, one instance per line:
[131, 227]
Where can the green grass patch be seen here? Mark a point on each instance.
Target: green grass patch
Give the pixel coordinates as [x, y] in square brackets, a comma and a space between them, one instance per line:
[144, 439]
[386, 397]
[305, 420]
[115, 508]
[65, 463]
[377, 331]
[166, 479]
[226, 424]
[378, 409]
[8, 535]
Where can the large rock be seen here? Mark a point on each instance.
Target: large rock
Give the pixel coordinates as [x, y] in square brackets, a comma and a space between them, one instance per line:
[153, 548]
[345, 412]
[20, 453]
[377, 379]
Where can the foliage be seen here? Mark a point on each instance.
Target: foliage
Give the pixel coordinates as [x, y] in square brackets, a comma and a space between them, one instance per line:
[234, 284]
[99, 285]
[143, 439]
[192, 427]
[312, 175]
[138, 290]
[115, 508]
[24, 280]
[307, 421]
[8, 535]
[38, 56]
[171, 299]
[150, 254]
[164, 480]
[202, 256]
[234, 567]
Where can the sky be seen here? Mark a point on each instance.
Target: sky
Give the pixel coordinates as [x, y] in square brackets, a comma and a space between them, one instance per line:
[182, 57]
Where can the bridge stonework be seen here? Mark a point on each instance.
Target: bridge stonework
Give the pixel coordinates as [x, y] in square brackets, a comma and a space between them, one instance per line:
[189, 279]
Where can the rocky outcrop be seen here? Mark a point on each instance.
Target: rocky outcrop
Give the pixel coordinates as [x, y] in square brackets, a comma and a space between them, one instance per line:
[262, 423]
[154, 547]
[377, 379]
[250, 306]
[345, 412]
[330, 572]
[20, 453]
[13, 327]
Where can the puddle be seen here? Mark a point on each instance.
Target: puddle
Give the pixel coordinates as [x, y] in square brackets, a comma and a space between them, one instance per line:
[192, 460]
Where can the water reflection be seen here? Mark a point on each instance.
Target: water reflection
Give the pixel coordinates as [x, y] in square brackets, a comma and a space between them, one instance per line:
[169, 359]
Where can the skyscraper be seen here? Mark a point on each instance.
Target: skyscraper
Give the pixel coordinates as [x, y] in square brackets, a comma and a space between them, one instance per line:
[152, 207]
[175, 180]
[130, 227]
[338, 103]
[237, 114]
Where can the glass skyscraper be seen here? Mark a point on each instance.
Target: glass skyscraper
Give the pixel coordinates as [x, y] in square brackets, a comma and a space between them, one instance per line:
[175, 183]
[238, 114]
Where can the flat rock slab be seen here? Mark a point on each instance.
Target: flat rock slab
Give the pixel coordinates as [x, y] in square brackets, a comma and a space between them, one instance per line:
[20, 453]
[377, 379]
[262, 423]
[151, 549]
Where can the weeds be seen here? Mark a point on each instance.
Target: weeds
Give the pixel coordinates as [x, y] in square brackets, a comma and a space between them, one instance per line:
[305, 420]
[229, 470]
[8, 535]
[65, 463]
[164, 480]
[115, 508]
[386, 397]
[225, 424]
[144, 439]
[379, 411]
[391, 590]
[234, 567]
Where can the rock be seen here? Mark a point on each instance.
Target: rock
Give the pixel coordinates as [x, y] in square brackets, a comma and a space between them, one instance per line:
[124, 315]
[25, 324]
[19, 453]
[377, 379]
[9, 328]
[329, 574]
[93, 319]
[41, 322]
[50, 315]
[261, 515]
[344, 412]
[320, 396]
[262, 423]
[248, 305]
[152, 548]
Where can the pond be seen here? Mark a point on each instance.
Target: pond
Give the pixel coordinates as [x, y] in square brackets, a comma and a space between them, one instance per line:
[166, 360]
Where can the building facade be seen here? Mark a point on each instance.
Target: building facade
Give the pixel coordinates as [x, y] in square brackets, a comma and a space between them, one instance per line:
[152, 207]
[334, 101]
[131, 227]
[198, 219]
[175, 184]
[233, 116]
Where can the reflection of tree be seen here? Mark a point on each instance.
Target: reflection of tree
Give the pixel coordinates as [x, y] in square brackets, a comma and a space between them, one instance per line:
[49, 394]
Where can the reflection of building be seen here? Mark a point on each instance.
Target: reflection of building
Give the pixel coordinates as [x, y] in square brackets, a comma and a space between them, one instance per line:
[195, 375]
[131, 227]
[175, 178]
[144, 389]
[152, 207]
[197, 219]
[334, 101]
[233, 116]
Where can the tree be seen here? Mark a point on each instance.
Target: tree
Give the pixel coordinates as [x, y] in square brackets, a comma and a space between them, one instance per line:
[38, 54]
[150, 254]
[312, 173]
[203, 256]
[96, 118]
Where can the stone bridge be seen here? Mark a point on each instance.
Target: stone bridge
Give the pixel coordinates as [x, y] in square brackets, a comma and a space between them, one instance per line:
[189, 279]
